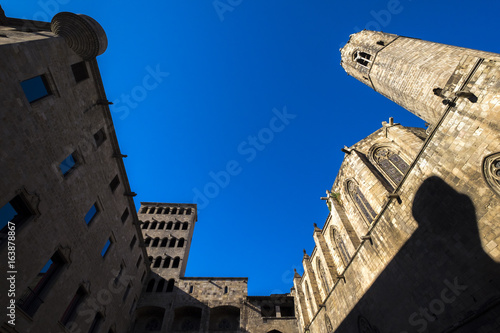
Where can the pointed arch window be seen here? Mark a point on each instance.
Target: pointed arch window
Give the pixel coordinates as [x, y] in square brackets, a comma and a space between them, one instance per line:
[340, 245]
[391, 164]
[361, 202]
[322, 273]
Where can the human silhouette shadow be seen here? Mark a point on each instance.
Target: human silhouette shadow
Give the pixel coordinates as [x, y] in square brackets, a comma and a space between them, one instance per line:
[441, 280]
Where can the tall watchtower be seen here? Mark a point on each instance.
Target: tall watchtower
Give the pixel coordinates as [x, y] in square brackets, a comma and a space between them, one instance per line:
[167, 229]
[421, 76]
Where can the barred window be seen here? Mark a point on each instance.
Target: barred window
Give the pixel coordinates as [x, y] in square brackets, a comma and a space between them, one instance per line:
[391, 164]
[362, 58]
[361, 202]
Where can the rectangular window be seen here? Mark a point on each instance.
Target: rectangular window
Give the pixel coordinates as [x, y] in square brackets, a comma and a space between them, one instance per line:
[132, 243]
[99, 137]
[106, 247]
[119, 275]
[125, 215]
[70, 313]
[96, 323]
[80, 71]
[132, 308]
[138, 261]
[91, 214]
[36, 88]
[68, 164]
[114, 183]
[144, 210]
[125, 295]
[15, 211]
[32, 298]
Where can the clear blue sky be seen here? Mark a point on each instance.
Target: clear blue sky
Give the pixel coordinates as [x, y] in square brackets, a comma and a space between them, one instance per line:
[219, 75]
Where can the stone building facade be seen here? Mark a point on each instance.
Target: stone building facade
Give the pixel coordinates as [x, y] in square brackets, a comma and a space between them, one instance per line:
[68, 224]
[411, 243]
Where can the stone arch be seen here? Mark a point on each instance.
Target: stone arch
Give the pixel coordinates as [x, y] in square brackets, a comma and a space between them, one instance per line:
[149, 318]
[187, 319]
[224, 318]
[491, 171]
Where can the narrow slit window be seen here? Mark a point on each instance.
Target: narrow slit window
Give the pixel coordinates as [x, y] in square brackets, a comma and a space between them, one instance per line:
[119, 275]
[125, 215]
[68, 164]
[106, 247]
[70, 314]
[80, 71]
[114, 183]
[96, 323]
[132, 242]
[36, 88]
[127, 291]
[139, 260]
[99, 137]
[91, 214]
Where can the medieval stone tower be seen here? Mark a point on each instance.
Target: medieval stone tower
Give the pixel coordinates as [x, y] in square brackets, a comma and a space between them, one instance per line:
[411, 243]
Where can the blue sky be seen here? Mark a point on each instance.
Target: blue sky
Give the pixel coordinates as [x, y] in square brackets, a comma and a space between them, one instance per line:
[245, 102]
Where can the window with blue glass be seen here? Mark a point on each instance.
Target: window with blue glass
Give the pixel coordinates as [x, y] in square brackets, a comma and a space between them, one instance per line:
[36, 88]
[106, 247]
[68, 164]
[91, 214]
[16, 211]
